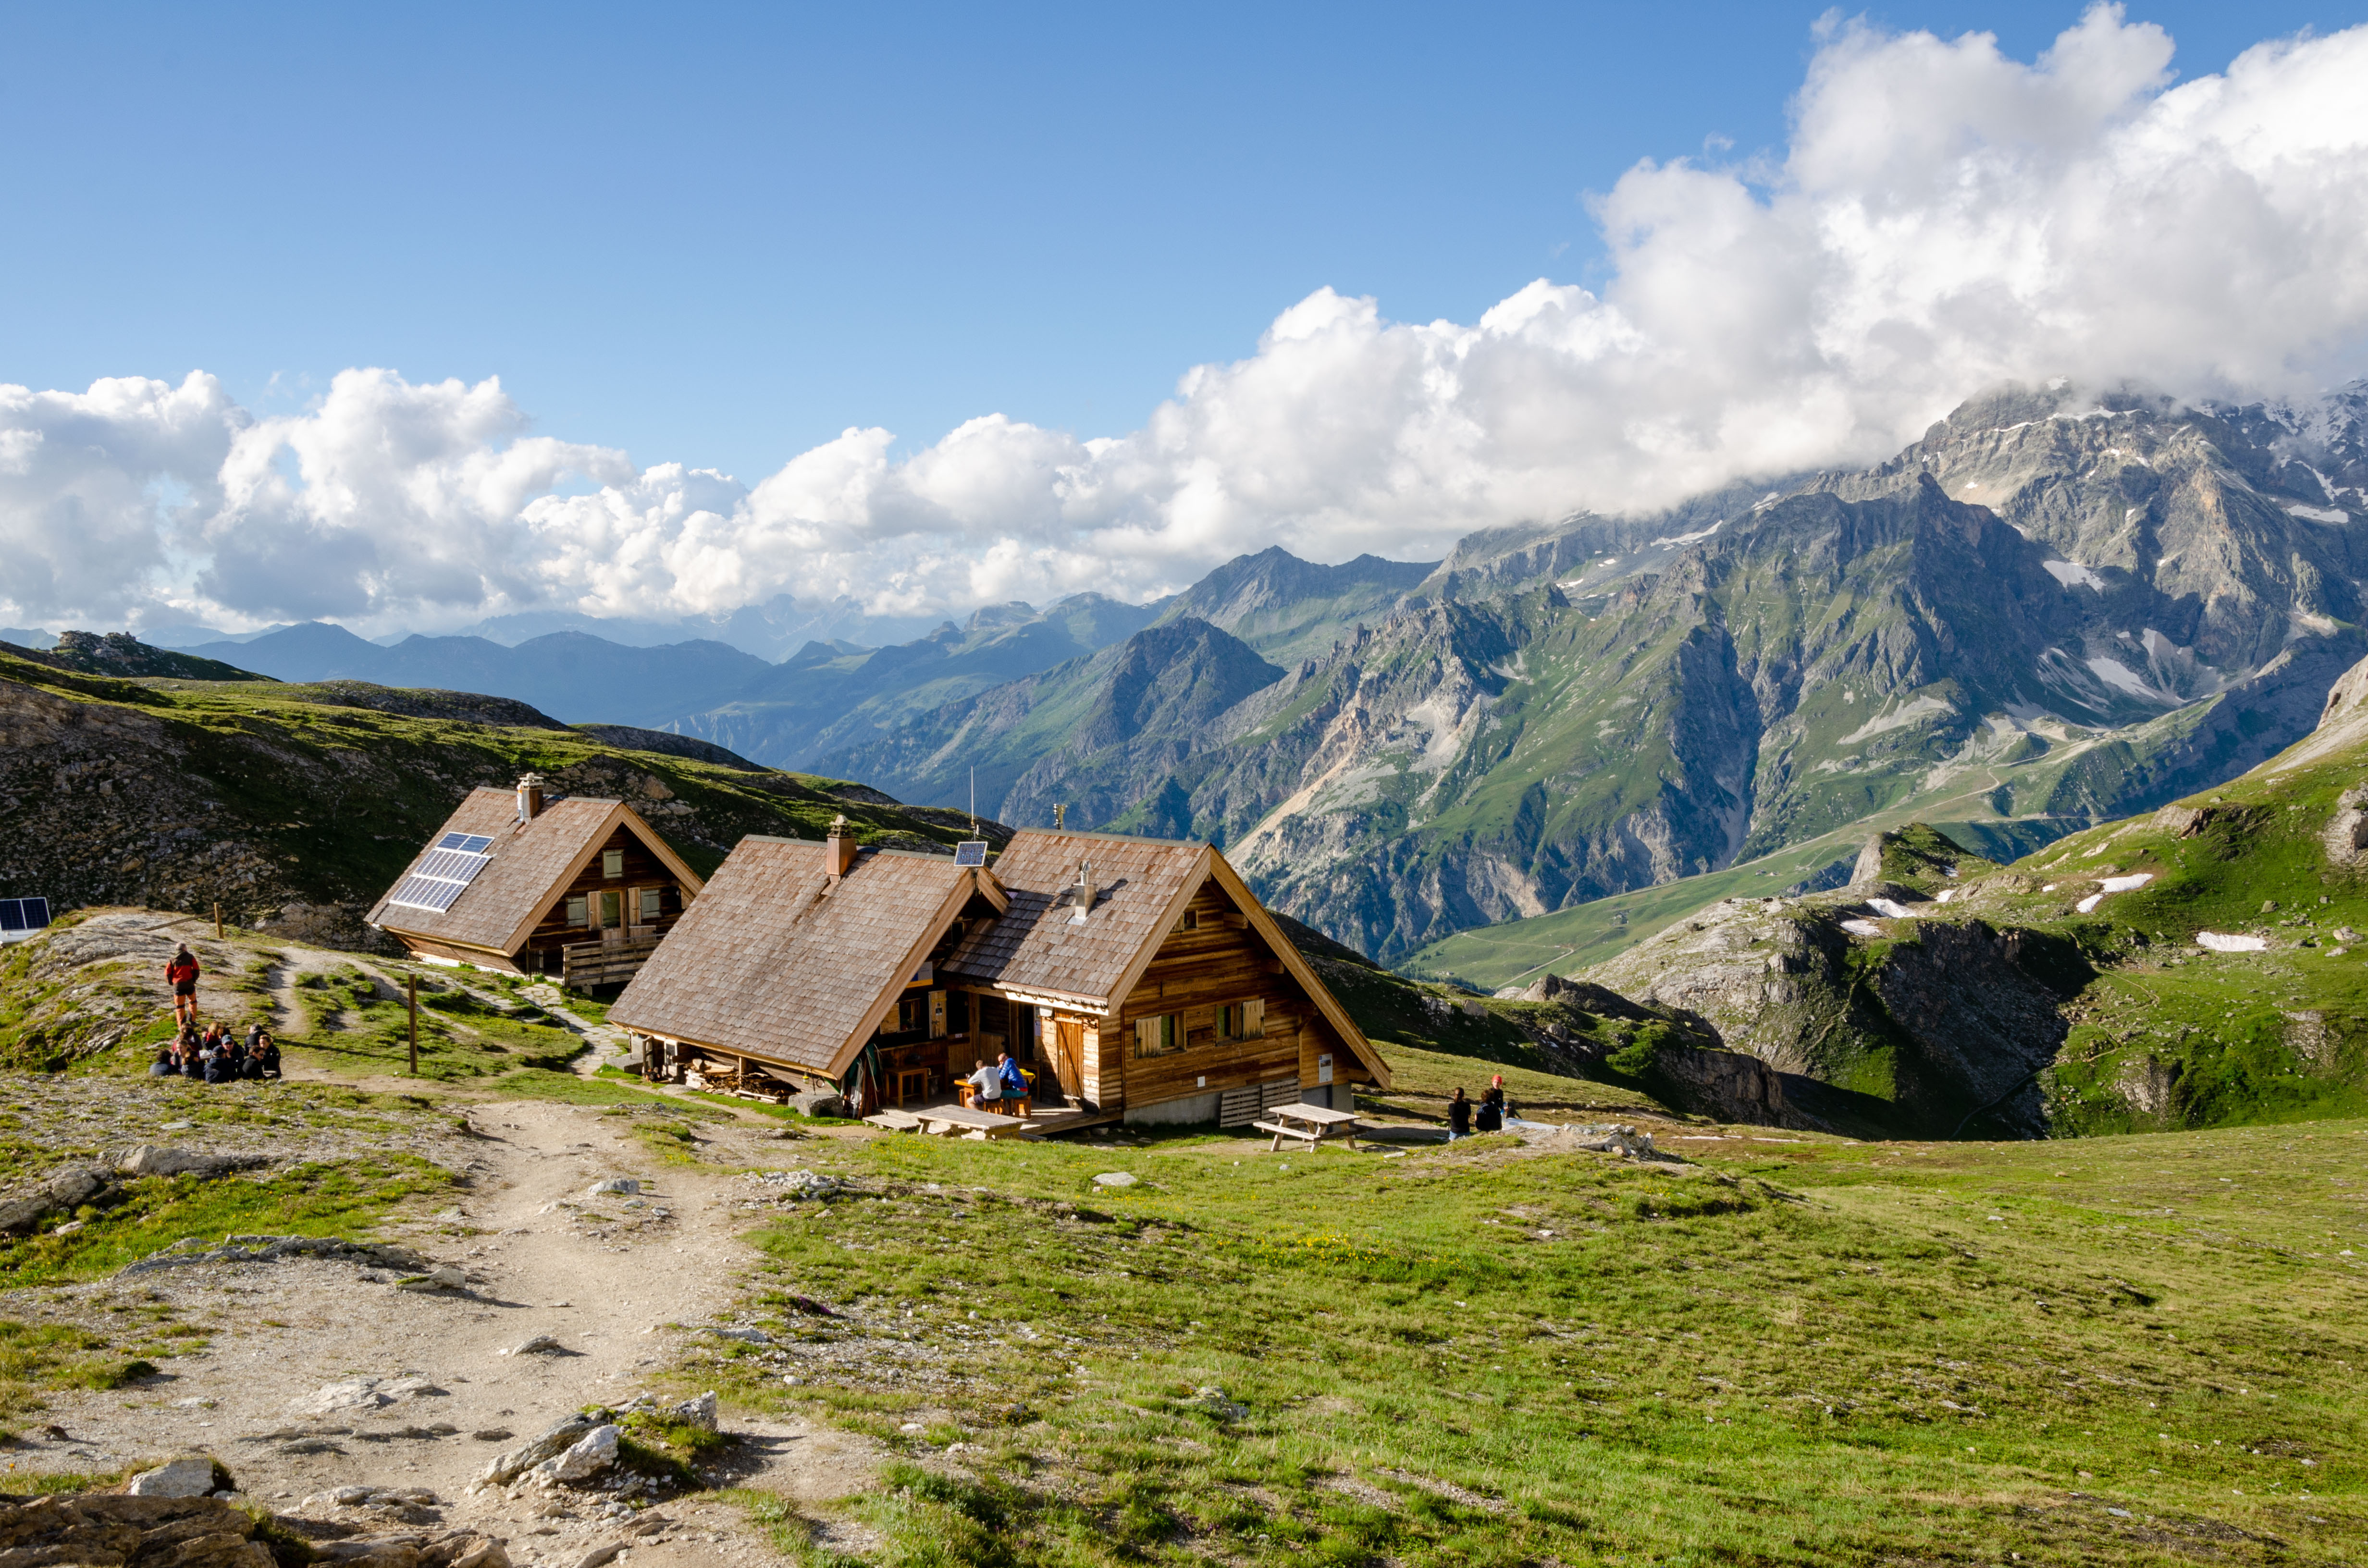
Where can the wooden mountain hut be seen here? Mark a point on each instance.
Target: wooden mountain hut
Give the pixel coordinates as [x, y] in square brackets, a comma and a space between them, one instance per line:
[1138, 978]
[578, 888]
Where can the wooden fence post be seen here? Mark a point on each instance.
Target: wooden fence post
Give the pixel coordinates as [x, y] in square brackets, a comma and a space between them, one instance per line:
[411, 986]
[218, 931]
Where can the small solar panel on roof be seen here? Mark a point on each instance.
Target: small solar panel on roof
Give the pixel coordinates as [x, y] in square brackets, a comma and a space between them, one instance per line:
[427, 892]
[467, 843]
[970, 852]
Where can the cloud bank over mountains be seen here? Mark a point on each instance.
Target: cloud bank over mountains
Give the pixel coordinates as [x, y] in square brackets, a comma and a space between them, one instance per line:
[1943, 219]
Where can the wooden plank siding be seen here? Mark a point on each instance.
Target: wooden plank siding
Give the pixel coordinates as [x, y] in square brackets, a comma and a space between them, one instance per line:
[1196, 971]
[642, 869]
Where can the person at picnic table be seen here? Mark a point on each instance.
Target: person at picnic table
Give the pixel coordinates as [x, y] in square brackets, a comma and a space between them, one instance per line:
[1459, 1116]
[181, 974]
[985, 1084]
[1492, 1108]
[1013, 1079]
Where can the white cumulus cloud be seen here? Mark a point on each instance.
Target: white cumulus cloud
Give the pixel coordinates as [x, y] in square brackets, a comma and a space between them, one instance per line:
[1944, 218]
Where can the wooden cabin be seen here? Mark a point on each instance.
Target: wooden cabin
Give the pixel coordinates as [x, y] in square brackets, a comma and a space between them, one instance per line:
[1137, 978]
[578, 887]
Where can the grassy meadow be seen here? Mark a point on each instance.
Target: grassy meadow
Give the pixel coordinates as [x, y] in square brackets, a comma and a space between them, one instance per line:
[2130, 1350]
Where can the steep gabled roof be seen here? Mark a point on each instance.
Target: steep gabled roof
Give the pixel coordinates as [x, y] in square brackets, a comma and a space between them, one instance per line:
[1036, 950]
[779, 961]
[1142, 887]
[527, 865]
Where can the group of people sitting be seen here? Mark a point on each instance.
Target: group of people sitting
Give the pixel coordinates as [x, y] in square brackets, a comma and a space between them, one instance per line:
[1462, 1119]
[212, 1053]
[217, 1055]
[1003, 1085]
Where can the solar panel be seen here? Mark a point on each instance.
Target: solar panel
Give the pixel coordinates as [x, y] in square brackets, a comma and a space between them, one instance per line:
[24, 914]
[443, 873]
[970, 852]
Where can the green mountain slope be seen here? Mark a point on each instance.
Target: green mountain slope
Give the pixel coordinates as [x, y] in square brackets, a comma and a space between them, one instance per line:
[300, 804]
[2201, 965]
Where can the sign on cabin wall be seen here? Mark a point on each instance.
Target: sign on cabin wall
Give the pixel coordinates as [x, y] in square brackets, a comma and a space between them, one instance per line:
[936, 1014]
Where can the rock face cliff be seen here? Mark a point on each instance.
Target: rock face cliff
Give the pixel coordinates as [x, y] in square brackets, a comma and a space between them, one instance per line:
[1922, 1029]
[2042, 615]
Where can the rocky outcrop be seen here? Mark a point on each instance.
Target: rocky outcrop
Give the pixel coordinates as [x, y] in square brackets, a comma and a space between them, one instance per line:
[1935, 1021]
[171, 1528]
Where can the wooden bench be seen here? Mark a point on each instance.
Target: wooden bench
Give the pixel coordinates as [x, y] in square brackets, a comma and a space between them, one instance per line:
[986, 1124]
[1311, 1124]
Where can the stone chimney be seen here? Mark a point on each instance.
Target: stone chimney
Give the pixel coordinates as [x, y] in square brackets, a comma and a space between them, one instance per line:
[529, 797]
[839, 850]
[1081, 897]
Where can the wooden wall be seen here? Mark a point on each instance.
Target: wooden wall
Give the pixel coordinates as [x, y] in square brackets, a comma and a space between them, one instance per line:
[642, 869]
[1194, 973]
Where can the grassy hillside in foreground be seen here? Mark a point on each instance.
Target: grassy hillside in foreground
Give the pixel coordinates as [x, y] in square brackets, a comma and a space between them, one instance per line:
[2142, 1350]
[174, 794]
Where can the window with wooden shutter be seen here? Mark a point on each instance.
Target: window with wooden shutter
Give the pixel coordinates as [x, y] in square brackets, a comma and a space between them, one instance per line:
[653, 904]
[1242, 1020]
[612, 863]
[1162, 1036]
[579, 911]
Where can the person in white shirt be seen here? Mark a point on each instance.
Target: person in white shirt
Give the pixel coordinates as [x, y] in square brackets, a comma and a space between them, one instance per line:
[986, 1083]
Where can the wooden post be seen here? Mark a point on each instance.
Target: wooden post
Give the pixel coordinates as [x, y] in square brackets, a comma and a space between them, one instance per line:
[1059, 813]
[218, 920]
[411, 987]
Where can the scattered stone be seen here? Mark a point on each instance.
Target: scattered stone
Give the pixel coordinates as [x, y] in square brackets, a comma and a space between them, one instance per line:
[699, 1413]
[552, 1441]
[62, 1193]
[145, 1527]
[1114, 1178]
[192, 1475]
[493, 1435]
[157, 1160]
[821, 1102]
[269, 1249]
[540, 1345]
[445, 1279]
[626, 1184]
[587, 1457]
[800, 1183]
[745, 1335]
[1211, 1400]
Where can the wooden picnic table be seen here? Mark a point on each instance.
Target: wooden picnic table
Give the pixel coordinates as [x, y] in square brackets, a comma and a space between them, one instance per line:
[987, 1122]
[1311, 1124]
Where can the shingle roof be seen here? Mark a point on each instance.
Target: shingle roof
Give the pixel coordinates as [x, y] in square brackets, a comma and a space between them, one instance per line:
[527, 864]
[775, 961]
[1142, 884]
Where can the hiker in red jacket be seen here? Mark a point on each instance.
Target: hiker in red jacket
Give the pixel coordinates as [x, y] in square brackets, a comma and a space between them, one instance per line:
[181, 974]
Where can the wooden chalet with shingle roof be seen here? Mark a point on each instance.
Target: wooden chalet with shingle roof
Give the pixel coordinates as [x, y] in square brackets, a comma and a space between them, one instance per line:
[1137, 977]
[579, 888]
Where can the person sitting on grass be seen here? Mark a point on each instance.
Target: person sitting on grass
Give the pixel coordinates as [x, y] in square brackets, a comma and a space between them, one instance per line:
[1459, 1116]
[219, 1068]
[262, 1056]
[1492, 1109]
[167, 1064]
[181, 974]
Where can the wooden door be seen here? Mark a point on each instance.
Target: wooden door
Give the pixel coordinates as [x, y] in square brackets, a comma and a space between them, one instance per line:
[1069, 1056]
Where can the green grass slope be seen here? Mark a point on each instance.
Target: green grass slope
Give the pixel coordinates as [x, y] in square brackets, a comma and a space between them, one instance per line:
[174, 793]
[1793, 1351]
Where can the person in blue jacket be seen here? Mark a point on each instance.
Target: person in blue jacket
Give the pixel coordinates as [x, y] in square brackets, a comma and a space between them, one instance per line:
[1015, 1085]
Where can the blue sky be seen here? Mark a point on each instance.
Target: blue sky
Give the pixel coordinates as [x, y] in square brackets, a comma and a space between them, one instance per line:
[718, 234]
